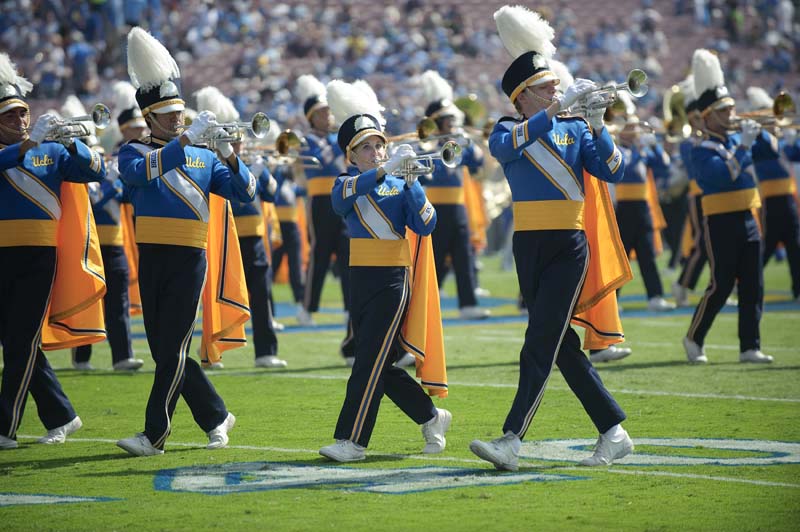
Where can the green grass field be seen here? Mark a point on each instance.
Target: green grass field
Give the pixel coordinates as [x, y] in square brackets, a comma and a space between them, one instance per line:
[717, 446]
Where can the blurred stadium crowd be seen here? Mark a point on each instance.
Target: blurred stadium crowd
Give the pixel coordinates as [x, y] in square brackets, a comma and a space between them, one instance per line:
[255, 50]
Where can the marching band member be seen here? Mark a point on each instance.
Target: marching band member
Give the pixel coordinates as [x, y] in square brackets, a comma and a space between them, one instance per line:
[544, 157]
[634, 215]
[779, 218]
[445, 191]
[32, 203]
[723, 163]
[693, 267]
[327, 233]
[378, 205]
[170, 181]
[250, 226]
[106, 198]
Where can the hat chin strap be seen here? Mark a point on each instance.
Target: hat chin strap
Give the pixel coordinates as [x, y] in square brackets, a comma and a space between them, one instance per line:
[14, 133]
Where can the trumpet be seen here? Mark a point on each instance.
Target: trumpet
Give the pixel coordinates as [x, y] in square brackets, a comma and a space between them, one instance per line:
[68, 128]
[636, 84]
[450, 154]
[782, 114]
[286, 151]
[234, 131]
[426, 138]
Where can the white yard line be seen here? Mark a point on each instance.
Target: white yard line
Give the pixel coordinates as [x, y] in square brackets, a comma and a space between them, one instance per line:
[429, 458]
[657, 393]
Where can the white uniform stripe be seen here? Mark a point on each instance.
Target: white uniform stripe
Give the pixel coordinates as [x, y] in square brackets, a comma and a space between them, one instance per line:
[529, 416]
[182, 188]
[556, 170]
[37, 191]
[376, 223]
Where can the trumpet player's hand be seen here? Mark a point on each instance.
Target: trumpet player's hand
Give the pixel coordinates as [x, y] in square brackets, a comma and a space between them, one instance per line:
[648, 140]
[750, 130]
[222, 146]
[595, 116]
[200, 125]
[395, 162]
[44, 126]
[574, 91]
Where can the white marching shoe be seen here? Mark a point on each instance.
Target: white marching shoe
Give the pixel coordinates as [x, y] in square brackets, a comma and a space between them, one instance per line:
[129, 364]
[343, 451]
[139, 445]
[434, 430]
[83, 366]
[406, 360]
[7, 443]
[278, 326]
[218, 437]
[756, 356]
[474, 313]
[659, 304]
[606, 450]
[59, 434]
[610, 353]
[681, 294]
[270, 361]
[304, 317]
[503, 452]
[695, 353]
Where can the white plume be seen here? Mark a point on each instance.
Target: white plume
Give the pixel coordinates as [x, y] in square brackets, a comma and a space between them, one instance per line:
[308, 86]
[687, 88]
[8, 75]
[211, 99]
[434, 87]
[124, 96]
[347, 99]
[707, 71]
[272, 135]
[374, 106]
[560, 69]
[759, 99]
[523, 30]
[149, 63]
[627, 99]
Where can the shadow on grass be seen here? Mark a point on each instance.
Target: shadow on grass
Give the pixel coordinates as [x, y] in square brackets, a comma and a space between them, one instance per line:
[68, 461]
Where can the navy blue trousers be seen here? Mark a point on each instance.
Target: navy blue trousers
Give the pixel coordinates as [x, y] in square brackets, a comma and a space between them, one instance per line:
[259, 286]
[698, 258]
[328, 236]
[292, 250]
[171, 282]
[733, 244]
[551, 268]
[781, 224]
[379, 304]
[116, 306]
[637, 233]
[675, 216]
[451, 238]
[26, 279]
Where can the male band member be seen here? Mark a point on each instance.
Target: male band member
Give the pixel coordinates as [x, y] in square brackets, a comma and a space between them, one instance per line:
[445, 189]
[550, 244]
[779, 218]
[106, 198]
[251, 227]
[724, 166]
[170, 181]
[378, 205]
[32, 170]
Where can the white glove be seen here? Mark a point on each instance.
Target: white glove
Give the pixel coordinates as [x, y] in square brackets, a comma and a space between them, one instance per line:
[258, 165]
[750, 130]
[411, 179]
[595, 116]
[648, 139]
[223, 147]
[44, 126]
[574, 91]
[201, 123]
[789, 136]
[395, 162]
